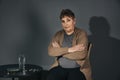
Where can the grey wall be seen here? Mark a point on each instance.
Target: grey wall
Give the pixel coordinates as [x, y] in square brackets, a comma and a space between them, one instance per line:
[26, 26]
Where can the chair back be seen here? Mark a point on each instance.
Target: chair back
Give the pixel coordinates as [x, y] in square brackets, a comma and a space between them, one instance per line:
[89, 49]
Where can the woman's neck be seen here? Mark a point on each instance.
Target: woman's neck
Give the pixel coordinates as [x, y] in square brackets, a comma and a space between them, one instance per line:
[70, 32]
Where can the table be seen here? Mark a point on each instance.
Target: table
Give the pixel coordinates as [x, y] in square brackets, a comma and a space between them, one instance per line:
[12, 71]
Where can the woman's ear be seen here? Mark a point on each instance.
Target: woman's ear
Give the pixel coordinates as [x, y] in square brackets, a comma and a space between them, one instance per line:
[74, 21]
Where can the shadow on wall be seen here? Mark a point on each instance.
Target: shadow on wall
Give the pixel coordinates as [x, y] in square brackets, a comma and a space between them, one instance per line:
[105, 52]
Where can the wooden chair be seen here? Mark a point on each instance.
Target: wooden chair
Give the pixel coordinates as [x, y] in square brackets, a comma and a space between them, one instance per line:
[89, 49]
[84, 65]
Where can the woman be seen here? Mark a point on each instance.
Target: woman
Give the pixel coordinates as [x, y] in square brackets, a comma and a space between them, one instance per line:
[69, 47]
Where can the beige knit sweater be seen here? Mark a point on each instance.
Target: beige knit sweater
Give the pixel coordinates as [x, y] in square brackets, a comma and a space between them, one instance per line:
[80, 37]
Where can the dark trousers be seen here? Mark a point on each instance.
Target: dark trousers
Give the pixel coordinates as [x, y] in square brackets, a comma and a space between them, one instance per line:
[59, 73]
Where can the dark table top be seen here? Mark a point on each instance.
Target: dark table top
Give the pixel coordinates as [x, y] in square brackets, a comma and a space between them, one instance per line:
[12, 71]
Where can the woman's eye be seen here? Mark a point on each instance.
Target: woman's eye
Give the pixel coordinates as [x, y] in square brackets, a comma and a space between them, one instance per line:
[62, 21]
[68, 20]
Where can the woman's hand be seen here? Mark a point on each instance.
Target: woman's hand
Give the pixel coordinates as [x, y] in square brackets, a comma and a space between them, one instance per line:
[79, 47]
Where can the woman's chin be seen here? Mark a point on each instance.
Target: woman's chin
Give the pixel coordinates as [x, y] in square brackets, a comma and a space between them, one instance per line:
[69, 31]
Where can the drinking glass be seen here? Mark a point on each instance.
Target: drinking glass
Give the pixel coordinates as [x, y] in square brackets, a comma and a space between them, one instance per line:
[21, 62]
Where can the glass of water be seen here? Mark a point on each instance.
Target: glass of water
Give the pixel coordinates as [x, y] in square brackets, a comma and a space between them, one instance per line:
[21, 62]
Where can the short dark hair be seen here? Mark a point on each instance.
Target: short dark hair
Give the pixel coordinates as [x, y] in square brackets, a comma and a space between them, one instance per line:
[66, 12]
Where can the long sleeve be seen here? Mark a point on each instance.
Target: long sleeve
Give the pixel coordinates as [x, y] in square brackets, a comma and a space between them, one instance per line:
[79, 55]
[57, 51]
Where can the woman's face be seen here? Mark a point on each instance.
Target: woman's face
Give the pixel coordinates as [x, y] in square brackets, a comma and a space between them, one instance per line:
[68, 24]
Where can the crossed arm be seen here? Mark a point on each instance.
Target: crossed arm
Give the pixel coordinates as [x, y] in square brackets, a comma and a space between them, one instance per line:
[78, 47]
[73, 53]
[78, 51]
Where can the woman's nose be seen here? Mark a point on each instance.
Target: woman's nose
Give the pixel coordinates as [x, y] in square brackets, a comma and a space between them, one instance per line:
[66, 23]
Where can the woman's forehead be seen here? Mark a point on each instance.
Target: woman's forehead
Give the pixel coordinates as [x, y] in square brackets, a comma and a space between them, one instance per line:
[66, 17]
